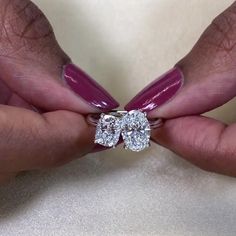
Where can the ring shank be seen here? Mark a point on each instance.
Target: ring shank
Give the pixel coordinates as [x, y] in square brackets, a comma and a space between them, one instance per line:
[93, 119]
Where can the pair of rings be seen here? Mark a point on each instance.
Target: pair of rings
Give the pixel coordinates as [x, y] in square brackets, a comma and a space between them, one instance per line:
[133, 126]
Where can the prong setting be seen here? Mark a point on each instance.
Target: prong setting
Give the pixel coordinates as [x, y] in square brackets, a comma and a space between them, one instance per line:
[136, 131]
[133, 126]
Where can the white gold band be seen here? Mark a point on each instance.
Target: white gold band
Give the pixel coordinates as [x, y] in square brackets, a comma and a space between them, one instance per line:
[93, 119]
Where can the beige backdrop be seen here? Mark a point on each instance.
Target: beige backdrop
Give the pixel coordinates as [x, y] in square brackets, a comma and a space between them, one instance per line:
[125, 44]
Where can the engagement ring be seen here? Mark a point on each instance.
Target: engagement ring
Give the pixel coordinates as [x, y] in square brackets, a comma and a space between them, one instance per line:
[133, 126]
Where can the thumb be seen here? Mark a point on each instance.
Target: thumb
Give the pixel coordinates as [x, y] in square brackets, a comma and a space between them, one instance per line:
[203, 80]
[35, 68]
[207, 143]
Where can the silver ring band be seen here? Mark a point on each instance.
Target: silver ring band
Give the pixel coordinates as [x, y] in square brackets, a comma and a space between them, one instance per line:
[93, 119]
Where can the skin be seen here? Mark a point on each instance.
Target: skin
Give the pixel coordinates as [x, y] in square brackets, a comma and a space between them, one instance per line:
[210, 81]
[30, 70]
[41, 121]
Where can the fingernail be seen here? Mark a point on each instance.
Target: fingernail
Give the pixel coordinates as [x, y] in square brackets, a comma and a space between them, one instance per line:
[88, 89]
[158, 92]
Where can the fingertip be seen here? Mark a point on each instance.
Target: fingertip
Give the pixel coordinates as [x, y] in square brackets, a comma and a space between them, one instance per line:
[88, 89]
[158, 92]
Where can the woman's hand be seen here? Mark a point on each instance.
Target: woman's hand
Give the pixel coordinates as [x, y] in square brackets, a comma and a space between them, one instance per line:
[204, 79]
[40, 103]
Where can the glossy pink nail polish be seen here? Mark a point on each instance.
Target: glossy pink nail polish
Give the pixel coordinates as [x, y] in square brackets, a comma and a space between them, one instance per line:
[158, 92]
[88, 89]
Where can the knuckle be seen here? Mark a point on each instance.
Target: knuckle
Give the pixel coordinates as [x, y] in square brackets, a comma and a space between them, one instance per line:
[222, 31]
[22, 26]
[34, 24]
[216, 47]
[217, 44]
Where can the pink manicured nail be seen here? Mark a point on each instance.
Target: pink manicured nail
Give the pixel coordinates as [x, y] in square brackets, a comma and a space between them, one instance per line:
[158, 92]
[88, 89]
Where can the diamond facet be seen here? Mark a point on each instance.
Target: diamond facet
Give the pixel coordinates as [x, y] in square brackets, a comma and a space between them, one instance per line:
[136, 131]
[108, 130]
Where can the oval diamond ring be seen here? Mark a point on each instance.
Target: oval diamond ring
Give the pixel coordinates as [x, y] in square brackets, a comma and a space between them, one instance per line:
[133, 126]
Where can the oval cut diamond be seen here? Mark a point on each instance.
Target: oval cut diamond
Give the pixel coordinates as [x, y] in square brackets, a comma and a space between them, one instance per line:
[136, 131]
[108, 130]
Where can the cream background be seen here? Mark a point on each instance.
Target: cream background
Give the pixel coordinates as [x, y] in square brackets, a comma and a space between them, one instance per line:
[125, 44]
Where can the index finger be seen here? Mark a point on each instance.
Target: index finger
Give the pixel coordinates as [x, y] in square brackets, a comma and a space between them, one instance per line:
[203, 80]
